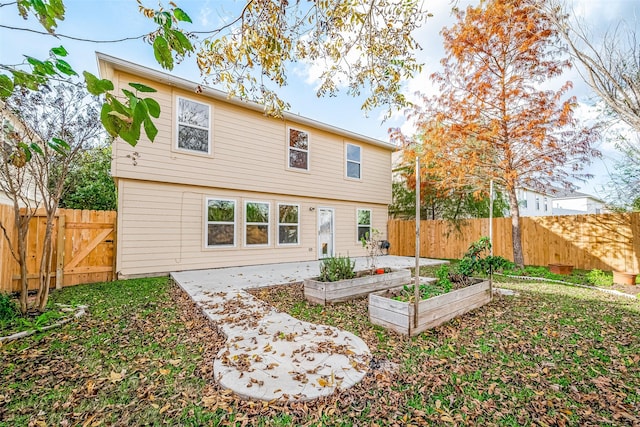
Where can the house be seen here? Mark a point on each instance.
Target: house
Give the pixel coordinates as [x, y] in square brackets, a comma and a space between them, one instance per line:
[534, 203]
[576, 203]
[224, 185]
[558, 202]
[21, 176]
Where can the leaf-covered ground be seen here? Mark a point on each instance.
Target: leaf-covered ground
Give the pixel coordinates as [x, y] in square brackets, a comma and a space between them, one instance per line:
[554, 355]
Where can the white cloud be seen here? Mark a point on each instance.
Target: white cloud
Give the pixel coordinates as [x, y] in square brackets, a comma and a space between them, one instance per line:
[204, 14]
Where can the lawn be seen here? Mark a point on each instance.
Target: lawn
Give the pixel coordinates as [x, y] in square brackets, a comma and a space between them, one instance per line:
[554, 355]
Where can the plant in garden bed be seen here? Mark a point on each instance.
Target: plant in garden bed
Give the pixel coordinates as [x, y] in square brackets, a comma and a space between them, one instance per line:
[336, 268]
[371, 242]
[477, 261]
[338, 282]
[441, 285]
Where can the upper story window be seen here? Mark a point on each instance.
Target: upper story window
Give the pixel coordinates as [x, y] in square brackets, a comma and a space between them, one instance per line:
[364, 224]
[194, 120]
[546, 204]
[354, 161]
[521, 195]
[288, 224]
[537, 203]
[298, 149]
[256, 223]
[221, 222]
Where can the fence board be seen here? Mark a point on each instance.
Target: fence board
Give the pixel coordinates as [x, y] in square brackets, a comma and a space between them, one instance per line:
[6, 259]
[84, 254]
[602, 241]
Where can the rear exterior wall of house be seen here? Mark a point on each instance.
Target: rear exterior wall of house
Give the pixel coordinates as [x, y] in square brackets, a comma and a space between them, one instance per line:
[165, 228]
[245, 192]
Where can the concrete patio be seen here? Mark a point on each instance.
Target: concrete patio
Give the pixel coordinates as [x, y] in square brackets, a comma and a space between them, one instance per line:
[270, 355]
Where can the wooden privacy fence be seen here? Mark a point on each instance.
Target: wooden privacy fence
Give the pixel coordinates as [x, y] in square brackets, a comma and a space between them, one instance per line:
[83, 248]
[602, 241]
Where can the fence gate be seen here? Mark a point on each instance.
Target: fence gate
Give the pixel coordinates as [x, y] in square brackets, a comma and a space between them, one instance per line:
[83, 249]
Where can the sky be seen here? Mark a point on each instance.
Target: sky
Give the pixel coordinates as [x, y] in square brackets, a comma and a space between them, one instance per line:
[115, 19]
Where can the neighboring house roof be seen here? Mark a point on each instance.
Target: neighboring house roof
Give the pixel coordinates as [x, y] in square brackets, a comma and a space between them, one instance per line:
[560, 193]
[171, 80]
[565, 194]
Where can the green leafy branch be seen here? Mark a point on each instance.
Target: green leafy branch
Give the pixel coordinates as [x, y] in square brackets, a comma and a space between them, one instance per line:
[40, 73]
[125, 119]
[48, 12]
[168, 39]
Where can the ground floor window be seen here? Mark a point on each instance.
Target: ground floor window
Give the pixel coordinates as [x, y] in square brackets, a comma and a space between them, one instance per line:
[288, 224]
[257, 223]
[364, 224]
[221, 222]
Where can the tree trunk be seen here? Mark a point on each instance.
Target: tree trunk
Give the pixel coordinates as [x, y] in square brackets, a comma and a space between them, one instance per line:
[516, 233]
[45, 266]
[24, 281]
[22, 224]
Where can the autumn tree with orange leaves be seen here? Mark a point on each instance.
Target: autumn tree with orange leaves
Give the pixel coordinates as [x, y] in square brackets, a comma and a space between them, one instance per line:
[493, 120]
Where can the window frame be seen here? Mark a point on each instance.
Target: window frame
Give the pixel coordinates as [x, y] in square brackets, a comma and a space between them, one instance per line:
[179, 123]
[207, 222]
[268, 224]
[347, 161]
[358, 225]
[289, 148]
[297, 205]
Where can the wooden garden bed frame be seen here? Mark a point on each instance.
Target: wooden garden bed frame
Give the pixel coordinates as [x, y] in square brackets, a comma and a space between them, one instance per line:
[345, 290]
[399, 316]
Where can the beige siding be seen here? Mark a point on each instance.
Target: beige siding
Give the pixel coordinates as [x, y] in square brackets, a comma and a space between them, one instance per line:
[249, 153]
[161, 228]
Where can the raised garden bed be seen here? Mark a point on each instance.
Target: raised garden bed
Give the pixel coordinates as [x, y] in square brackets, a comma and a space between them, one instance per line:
[399, 316]
[345, 290]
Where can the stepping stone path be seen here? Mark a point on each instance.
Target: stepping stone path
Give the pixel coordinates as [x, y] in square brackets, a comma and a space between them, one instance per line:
[270, 355]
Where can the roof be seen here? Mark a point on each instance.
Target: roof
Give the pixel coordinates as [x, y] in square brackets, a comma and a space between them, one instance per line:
[566, 194]
[218, 95]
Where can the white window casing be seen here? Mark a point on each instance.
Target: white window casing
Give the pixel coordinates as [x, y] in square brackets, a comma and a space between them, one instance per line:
[257, 216]
[297, 149]
[288, 224]
[193, 126]
[220, 222]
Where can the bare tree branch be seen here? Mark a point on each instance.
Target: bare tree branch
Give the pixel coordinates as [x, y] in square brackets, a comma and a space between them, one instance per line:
[610, 65]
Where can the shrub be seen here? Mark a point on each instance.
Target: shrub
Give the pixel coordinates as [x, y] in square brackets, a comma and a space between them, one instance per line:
[467, 266]
[475, 261]
[337, 268]
[477, 248]
[8, 308]
[599, 278]
[496, 263]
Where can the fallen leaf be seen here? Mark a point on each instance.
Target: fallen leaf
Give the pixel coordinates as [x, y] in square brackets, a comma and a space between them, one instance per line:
[115, 377]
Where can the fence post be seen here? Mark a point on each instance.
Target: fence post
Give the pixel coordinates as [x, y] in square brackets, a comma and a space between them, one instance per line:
[114, 274]
[60, 251]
